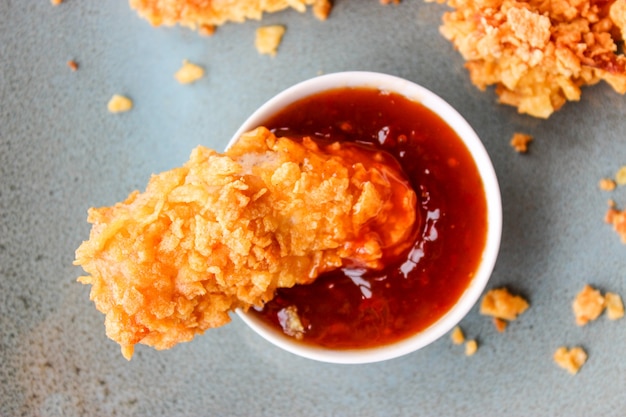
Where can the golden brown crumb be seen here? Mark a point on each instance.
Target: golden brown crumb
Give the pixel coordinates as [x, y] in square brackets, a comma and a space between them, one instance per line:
[614, 306]
[617, 219]
[189, 73]
[457, 336]
[225, 230]
[290, 322]
[539, 54]
[570, 359]
[611, 203]
[620, 176]
[206, 15]
[501, 304]
[588, 305]
[389, 1]
[56, 2]
[520, 142]
[606, 184]
[118, 104]
[471, 346]
[500, 324]
[268, 38]
[73, 65]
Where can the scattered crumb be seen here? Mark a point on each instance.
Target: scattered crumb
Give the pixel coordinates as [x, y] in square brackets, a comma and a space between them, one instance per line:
[570, 359]
[620, 176]
[73, 65]
[501, 304]
[520, 142]
[321, 9]
[588, 305]
[607, 184]
[189, 73]
[56, 2]
[119, 104]
[457, 336]
[500, 324]
[389, 1]
[290, 322]
[617, 219]
[268, 38]
[611, 203]
[471, 346]
[614, 306]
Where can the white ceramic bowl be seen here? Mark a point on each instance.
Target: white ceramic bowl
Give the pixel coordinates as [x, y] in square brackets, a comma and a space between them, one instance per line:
[417, 93]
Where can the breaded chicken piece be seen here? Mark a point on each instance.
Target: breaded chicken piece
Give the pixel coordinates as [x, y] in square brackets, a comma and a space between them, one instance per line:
[537, 53]
[225, 230]
[205, 15]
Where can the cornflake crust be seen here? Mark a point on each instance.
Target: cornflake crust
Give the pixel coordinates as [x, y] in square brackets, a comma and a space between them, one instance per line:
[206, 15]
[588, 305]
[614, 306]
[501, 304]
[225, 230]
[520, 142]
[189, 73]
[570, 359]
[539, 54]
[119, 104]
[457, 336]
[268, 39]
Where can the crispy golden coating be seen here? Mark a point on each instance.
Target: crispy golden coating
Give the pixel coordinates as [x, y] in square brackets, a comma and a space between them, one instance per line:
[570, 359]
[500, 303]
[588, 305]
[539, 54]
[205, 15]
[225, 230]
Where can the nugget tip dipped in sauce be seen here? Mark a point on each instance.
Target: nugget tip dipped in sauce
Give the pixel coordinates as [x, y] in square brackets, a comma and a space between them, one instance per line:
[224, 231]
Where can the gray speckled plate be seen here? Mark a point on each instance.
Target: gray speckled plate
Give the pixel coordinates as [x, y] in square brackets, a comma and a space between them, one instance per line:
[61, 152]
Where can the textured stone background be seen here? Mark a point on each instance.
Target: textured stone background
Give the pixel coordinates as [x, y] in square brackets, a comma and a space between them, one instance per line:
[61, 152]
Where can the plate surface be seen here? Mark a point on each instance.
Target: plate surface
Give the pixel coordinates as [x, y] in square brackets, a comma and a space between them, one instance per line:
[62, 152]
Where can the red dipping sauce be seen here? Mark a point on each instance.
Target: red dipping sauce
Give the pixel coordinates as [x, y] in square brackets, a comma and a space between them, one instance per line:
[359, 308]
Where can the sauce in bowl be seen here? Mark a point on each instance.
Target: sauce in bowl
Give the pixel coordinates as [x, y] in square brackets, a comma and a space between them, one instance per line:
[353, 308]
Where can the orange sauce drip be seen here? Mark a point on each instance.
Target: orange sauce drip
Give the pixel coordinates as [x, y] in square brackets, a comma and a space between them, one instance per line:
[355, 307]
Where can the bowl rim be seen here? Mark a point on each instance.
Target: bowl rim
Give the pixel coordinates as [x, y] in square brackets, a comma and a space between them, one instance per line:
[415, 92]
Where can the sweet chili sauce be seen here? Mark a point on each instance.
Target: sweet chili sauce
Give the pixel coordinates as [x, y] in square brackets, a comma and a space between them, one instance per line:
[357, 308]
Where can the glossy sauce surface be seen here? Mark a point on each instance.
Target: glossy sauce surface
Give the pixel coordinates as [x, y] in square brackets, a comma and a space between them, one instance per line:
[358, 308]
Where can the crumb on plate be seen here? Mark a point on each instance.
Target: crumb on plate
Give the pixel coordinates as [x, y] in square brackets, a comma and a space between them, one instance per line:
[56, 2]
[606, 184]
[189, 73]
[620, 176]
[73, 65]
[616, 218]
[457, 336]
[614, 306]
[588, 305]
[570, 359]
[500, 303]
[500, 324]
[520, 142]
[119, 104]
[471, 346]
[268, 39]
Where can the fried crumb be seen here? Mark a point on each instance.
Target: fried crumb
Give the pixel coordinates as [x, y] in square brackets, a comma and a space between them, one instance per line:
[290, 322]
[520, 142]
[501, 304]
[389, 1]
[614, 306]
[620, 176]
[617, 218]
[73, 65]
[457, 336]
[119, 104]
[570, 359]
[500, 324]
[606, 184]
[56, 2]
[539, 54]
[471, 346]
[206, 16]
[588, 305]
[268, 39]
[189, 73]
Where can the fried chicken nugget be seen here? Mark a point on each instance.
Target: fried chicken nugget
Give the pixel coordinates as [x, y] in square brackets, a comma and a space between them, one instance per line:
[539, 53]
[225, 230]
[205, 15]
